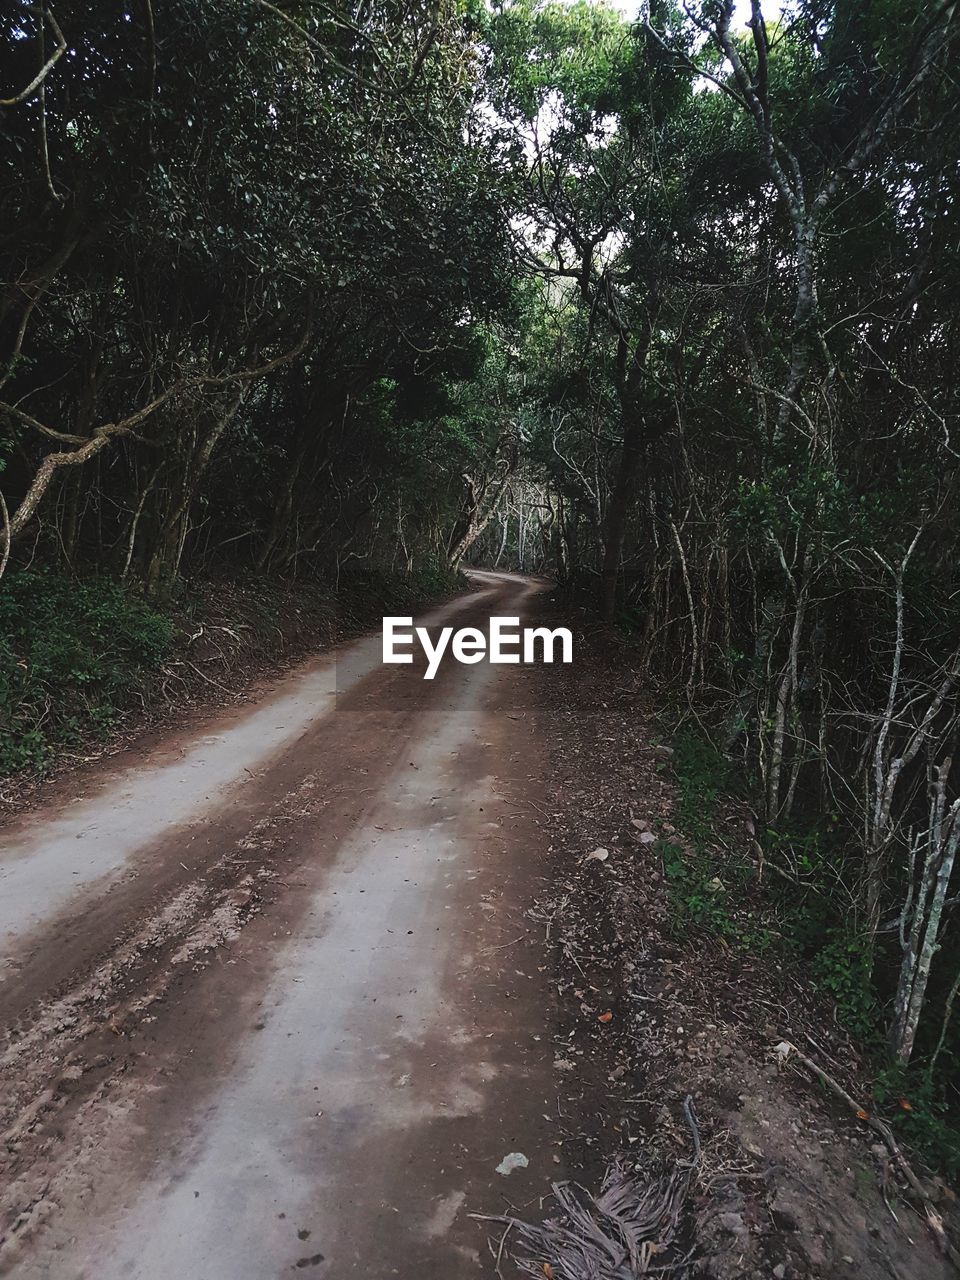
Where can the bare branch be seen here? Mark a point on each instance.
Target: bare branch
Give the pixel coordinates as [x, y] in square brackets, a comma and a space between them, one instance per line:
[45, 70]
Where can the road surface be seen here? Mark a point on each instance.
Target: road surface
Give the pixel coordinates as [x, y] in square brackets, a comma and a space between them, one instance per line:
[270, 1002]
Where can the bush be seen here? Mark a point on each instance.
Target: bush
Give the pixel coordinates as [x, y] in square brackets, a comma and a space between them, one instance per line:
[703, 776]
[921, 1115]
[842, 969]
[72, 653]
[366, 593]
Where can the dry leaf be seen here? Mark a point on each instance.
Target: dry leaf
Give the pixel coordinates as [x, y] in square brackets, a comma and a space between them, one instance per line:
[605, 1017]
[598, 855]
[548, 1271]
[861, 1114]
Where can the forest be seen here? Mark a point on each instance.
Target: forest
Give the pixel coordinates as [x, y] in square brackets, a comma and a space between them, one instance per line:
[660, 304]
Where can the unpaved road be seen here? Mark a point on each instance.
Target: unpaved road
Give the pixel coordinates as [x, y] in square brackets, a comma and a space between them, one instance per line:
[270, 1003]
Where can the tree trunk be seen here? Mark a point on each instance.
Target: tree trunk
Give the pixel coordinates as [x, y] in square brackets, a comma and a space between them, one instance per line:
[484, 505]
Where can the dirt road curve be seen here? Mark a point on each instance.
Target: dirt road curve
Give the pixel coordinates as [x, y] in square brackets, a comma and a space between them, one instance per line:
[270, 1003]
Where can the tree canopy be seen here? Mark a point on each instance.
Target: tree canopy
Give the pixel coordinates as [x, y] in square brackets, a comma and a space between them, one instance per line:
[666, 307]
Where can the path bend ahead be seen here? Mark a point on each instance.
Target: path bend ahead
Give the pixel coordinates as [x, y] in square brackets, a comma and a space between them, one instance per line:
[270, 1003]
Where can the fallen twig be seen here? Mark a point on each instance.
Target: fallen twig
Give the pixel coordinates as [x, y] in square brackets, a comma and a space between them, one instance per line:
[786, 1049]
[503, 945]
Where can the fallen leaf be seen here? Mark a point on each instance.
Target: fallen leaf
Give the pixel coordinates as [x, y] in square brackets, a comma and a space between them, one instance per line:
[598, 855]
[548, 1271]
[605, 1017]
[862, 1115]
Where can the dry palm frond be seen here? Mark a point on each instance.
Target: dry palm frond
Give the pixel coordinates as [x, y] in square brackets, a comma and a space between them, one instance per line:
[629, 1230]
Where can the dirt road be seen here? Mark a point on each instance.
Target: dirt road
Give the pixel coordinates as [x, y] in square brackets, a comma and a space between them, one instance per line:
[269, 998]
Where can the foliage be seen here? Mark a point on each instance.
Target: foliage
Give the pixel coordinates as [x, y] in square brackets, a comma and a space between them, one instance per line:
[921, 1114]
[703, 777]
[711, 885]
[714, 891]
[72, 654]
[748, 436]
[369, 592]
[265, 235]
[667, 307]
[841, 969]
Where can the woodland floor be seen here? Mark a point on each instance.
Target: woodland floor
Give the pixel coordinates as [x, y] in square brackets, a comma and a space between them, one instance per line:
[284, 987]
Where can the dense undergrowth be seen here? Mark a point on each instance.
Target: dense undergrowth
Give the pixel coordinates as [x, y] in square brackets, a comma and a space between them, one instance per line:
[762, 893]
[77, 655]
[72, 654]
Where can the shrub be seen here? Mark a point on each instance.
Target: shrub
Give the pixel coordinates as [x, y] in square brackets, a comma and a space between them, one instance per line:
[703, 775]
[72, 652]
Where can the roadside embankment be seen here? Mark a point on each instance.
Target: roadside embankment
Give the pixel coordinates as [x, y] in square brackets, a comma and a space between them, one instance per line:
[671, 987]
[86, 664]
